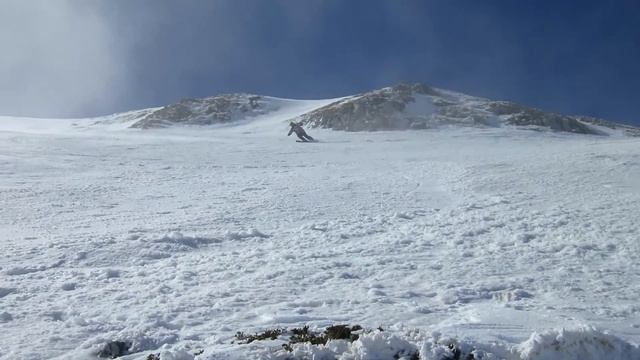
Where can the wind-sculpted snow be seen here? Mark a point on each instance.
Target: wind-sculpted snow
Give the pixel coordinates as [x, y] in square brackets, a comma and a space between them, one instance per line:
[170, 241]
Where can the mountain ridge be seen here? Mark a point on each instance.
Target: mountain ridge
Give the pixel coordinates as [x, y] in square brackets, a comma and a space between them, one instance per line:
[398, 107]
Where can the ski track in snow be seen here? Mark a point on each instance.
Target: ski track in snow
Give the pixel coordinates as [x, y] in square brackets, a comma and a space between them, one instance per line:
[184, 237]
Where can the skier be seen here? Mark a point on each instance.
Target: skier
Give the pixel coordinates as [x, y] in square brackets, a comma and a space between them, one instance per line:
[297, 128]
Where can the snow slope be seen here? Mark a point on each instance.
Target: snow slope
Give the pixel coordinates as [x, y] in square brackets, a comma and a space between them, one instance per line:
[175, 239]
[216, 111]
[270, 114]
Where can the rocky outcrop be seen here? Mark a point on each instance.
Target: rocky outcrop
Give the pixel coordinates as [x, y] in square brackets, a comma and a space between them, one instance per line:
[376, 110]
[419, 106]
[404, 106]
[626, 129]
[515, 114]
[208, 111]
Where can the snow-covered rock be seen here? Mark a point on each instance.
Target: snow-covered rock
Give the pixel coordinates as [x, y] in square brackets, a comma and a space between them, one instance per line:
[419, 106]
[208, 111]
[399, 107]
[577, 344]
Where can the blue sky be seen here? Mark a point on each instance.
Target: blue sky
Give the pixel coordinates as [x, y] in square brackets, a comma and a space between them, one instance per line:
[98, 57]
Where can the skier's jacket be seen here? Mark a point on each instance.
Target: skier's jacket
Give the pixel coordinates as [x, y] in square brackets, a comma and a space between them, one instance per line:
[296, 128]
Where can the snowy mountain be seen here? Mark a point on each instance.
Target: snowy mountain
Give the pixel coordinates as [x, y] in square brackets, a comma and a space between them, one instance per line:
[226, 239]
[419, 106]
[399, 107]
[207, 111]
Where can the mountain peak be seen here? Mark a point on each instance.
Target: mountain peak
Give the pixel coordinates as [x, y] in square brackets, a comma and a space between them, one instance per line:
[419, 106]
[206, 111]
[398, 107]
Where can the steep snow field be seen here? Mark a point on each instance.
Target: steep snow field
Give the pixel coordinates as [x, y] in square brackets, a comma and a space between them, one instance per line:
[175, 239]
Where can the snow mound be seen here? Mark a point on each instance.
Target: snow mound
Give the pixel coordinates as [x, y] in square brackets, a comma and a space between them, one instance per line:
[177, 237]
[251, 233]
[579, 344]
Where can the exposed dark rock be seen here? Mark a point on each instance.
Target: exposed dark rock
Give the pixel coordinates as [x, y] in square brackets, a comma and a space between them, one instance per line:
[626, 129]
[556, 122]
[268, 334]
[212, 110]
[376, 110]
[388, 109]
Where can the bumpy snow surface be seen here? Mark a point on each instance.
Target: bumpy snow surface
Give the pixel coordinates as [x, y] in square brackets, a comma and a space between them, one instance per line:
[499, 243]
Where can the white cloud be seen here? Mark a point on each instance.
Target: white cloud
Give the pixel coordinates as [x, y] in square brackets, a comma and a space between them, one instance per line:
[58, 58]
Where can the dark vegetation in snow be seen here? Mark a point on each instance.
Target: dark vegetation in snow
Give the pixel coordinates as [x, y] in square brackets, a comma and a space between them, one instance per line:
[266, 335]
